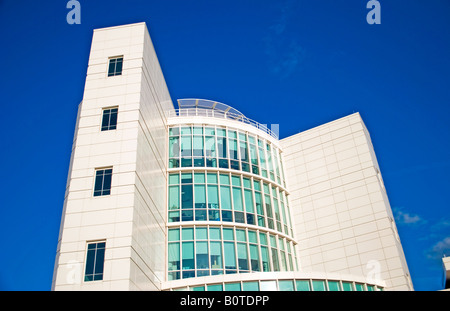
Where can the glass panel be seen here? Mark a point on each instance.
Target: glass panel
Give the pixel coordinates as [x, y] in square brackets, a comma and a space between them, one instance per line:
[212, 178]
[188, 255]
[233, 286]
[186, 178]
[198, 288]
[237, 199]
[112, 67]
[230, 256]
[199, 178]
[174, 179]
[225, 198]
[228, 234]
[254, 257]
[174, 131]
[224, 179]
[233, 149]
[250, 286]
[268, 285]
[186, 131]
[235, 180]
[213, 197]
[359, 287]
[347, 286]
[174, 256]
[186, 196]
[244, 151]
[276, 264]
[209, 131]
[200, 196]
[318, 285]
[214, 234]
[216, 255]
[174, 235]
[302, 285]
[240, 235]
[186, 146]
[201, 233]
[187, 234]
[242, 256]
[286, 285]
[215, 287]
[198, 146]
[334, 286]
[210, 146]
[222, 147]
[249, 208]
[174, 197]
[174, 147]
[252, 237]
[202, 255]
[119, 66]
[198, 130]
[265, 259]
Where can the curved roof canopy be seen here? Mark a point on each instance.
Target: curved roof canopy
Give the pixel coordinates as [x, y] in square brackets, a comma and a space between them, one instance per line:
[189, 103]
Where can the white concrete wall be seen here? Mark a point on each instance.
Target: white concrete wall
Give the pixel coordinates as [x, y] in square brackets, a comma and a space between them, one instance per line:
[341, 211]
[131, 219]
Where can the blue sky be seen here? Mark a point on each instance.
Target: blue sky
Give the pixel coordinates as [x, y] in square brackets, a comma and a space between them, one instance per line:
[295, 63]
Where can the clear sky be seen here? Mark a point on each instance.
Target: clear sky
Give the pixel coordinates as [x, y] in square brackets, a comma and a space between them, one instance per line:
[295, 63]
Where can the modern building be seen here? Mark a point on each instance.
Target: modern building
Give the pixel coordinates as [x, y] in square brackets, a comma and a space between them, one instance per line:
[200, 197]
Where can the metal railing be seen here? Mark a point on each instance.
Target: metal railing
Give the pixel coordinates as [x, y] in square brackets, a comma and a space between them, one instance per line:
[212, 113]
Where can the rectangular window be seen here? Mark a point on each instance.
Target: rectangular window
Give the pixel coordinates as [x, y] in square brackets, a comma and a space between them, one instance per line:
[115, 66]
[109, 119]
[95, 259]
[102, 182]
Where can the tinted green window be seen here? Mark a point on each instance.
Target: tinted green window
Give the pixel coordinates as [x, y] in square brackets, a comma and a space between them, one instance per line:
[286, 285]
[318, 285]
[225, 197]
[174, 235]
[233, 286]
[334, 286]
[347, 286]
[250, 286]
[302, 285]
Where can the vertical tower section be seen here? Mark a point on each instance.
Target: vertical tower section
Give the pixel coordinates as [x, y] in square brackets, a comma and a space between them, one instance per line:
[341, 211]
[112, 234]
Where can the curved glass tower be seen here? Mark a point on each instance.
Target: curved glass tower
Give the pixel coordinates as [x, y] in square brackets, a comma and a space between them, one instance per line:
[228, 210]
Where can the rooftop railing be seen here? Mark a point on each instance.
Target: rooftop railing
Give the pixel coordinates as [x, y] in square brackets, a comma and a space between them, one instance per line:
[213, 109]
[202, 112]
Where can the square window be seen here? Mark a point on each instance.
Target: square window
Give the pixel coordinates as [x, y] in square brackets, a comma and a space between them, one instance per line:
[115, 66]
[95, 259]
[109, 119]
[102, 182]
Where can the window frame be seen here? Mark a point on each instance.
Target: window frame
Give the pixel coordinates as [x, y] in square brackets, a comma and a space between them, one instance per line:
[115, 73]
[103, 180]
[109, 119]
[95, 242]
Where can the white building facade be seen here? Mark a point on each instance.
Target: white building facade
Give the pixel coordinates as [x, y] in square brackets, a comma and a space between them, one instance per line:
[203, 198]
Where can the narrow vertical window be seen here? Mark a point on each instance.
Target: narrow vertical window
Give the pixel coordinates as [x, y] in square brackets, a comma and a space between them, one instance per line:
[102, 182]
[109, 119]
[115, 66]
[95, 259]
